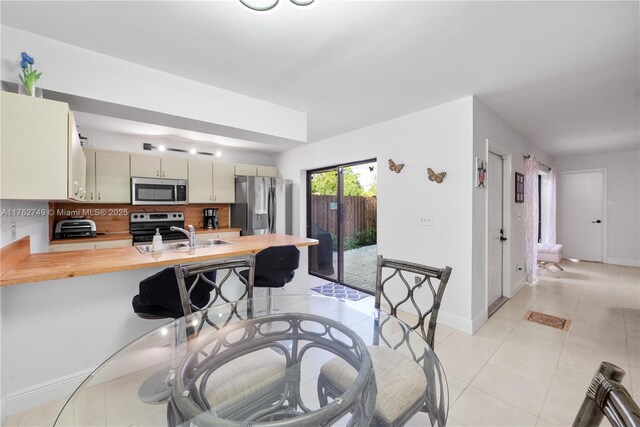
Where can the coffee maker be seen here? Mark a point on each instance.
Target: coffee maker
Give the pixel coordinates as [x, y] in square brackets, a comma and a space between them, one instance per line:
[210, 218]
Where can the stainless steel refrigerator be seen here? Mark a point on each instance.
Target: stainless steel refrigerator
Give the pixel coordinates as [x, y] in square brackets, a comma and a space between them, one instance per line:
[263, 205]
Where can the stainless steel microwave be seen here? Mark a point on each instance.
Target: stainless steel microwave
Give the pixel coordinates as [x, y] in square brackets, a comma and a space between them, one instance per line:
[152, 191]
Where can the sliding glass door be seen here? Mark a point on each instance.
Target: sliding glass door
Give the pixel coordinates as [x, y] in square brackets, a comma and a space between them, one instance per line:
[342, 215]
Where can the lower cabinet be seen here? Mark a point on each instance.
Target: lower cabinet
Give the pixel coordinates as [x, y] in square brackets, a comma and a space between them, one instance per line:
[220, 235]
[84, 246]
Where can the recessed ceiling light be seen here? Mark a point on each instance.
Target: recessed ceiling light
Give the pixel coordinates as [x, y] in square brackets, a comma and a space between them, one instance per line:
[193, 151]
[161, 147]
[218, 153]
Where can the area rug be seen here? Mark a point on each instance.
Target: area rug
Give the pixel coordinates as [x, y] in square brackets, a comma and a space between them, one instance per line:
[337, 290]
[548, 320]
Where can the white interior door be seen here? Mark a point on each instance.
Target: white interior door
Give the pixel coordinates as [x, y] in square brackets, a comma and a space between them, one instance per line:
[580, 214]
[496, 201]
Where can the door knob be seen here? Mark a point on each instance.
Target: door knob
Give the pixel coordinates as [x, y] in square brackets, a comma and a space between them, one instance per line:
[503, 239]
[596, 221]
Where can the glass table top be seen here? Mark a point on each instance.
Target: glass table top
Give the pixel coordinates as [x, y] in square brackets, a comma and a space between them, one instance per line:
[224, 367]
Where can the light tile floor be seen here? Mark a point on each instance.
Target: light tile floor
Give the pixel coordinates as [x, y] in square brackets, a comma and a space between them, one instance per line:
[516, 373]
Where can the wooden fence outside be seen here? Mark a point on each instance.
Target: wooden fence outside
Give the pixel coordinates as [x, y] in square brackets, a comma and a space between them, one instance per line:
[359, 213]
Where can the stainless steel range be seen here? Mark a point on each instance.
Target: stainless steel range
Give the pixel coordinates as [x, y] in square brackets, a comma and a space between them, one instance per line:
[142, 226]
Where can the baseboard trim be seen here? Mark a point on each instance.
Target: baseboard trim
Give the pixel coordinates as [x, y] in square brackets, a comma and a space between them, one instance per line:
[456, 322]
[39, 394]
[516, 287]
[624, 261]
[479, 320]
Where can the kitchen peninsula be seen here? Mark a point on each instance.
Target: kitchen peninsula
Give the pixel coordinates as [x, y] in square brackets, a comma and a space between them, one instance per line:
[76, 307]
[30, 268]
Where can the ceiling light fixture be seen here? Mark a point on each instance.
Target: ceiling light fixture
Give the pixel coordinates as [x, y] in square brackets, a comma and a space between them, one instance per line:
[265, 5]
[149, 147]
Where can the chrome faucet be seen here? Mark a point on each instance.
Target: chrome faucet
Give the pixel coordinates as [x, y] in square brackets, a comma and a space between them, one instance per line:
[191, 234]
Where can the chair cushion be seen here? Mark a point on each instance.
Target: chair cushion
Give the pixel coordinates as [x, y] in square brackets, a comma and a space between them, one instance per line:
[244, 379]
[260, 282]
[159, 295]
[401, 382]
[549, 248]
[548, 252]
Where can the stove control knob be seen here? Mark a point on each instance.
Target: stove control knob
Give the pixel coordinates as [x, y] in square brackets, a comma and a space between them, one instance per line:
[135, 216]
[174, 215]
[141, 216]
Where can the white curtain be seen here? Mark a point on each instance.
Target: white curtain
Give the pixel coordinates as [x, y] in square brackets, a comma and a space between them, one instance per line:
[531, 167]
[551, 206]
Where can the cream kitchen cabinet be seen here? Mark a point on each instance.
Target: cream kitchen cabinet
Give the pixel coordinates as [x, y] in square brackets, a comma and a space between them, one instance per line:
[66, 247]
[113, 181]
[256, 170]
[224, 183]
[77, 189]
[90, 183]
[174, 168]
[158, 167]
[246, 170]
[200, 181]
[41, 154]
[201, 237]
[85, 246]
[268, 171]
[211, 182]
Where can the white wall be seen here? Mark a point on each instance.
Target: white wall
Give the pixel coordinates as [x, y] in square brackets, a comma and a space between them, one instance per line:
[81, 72]
[489, 126]
[55, 332]
[623, 193]
[440, 138]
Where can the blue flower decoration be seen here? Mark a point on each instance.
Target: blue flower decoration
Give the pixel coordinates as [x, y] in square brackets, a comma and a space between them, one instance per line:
[23, 64]
[26, 57]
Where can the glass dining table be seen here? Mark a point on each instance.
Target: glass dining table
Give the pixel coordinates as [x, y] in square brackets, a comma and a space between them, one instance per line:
[261, 362]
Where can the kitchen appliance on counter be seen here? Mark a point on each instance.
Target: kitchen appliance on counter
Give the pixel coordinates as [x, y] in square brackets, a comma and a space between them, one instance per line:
[143, 225]
[156, 191]
[210, 217]
[263, 205]
[74, 228]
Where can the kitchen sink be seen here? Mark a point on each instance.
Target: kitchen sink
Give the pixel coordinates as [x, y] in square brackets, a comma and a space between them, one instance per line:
[181, 246]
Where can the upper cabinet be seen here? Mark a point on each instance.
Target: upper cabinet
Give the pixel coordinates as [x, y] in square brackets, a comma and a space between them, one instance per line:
[113, 181]
[246, 170]
[41, 154]
[224, 183]
[90, 155]
[255, 170]
[211, 182]
[200, 181]
[269, 171]
[77, 189]
[146, 166]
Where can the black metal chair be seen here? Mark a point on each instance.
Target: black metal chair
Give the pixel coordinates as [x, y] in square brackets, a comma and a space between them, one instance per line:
[175, 292]
[275, 267]
[159, 296]
[399, 399]
[606, 397]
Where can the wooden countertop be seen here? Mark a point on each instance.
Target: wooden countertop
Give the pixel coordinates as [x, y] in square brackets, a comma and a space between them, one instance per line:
[60, 265]
[124, 235]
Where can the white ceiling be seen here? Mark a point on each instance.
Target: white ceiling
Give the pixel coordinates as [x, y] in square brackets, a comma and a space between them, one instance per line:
[565, 74]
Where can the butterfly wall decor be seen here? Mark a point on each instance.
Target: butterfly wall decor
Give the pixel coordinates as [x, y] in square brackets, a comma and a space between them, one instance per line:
[436, 177]
[396, 167]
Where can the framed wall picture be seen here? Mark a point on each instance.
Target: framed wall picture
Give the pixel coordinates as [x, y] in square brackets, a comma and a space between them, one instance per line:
[481, 173]
[519, 188]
